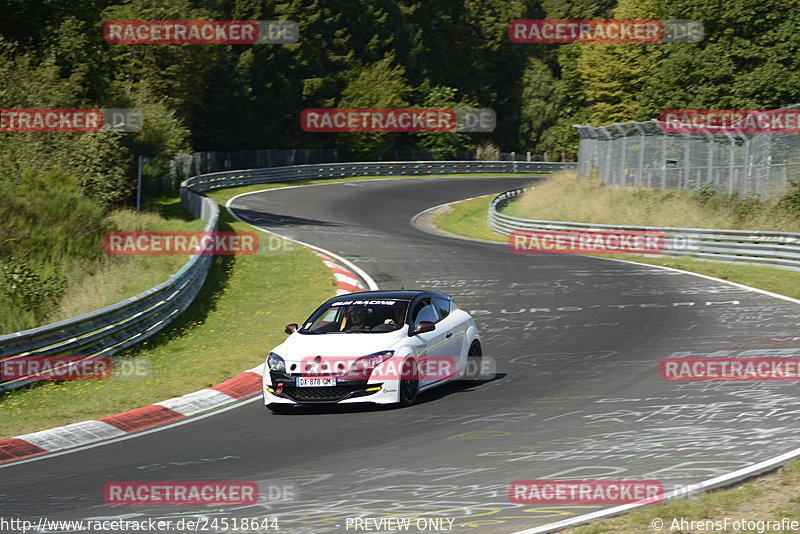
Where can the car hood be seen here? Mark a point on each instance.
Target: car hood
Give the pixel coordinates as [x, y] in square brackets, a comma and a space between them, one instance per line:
[298, 346]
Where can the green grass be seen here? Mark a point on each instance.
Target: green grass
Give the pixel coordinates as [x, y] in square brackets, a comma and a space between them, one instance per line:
[770, 497]
[238, 316]
[470, 219]
[116, 278]
[564, 197]
[767, 498]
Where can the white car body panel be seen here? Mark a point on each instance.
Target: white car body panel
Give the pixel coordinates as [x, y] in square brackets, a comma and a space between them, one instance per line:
[451, 339]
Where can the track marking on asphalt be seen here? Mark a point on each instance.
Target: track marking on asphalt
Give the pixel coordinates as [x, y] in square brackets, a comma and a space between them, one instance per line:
[373, 286]
[718, 481]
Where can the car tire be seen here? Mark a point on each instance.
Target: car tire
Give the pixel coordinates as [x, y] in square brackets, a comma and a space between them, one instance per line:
[281, 409]
[474, 362]
[409, 383]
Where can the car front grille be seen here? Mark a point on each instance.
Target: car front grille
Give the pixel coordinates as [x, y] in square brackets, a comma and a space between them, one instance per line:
[343, 390]
[335, 393]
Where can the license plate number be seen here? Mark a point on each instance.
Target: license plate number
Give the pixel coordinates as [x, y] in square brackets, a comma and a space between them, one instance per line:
[316, 382]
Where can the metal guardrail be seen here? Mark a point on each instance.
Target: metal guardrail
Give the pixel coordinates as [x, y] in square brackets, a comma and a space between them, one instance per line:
[778, 249]
[109, 330]
[218, 180]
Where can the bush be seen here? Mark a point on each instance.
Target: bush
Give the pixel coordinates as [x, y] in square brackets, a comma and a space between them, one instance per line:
[49, 229]
[791, 200]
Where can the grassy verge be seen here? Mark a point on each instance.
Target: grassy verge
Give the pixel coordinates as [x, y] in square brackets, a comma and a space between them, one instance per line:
[469, 218]
[238, 316]
[565, 198]
[768, 498]
[236, 319]
[116, 278]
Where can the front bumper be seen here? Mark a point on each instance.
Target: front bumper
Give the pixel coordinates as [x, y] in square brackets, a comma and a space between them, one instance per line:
[280, 388]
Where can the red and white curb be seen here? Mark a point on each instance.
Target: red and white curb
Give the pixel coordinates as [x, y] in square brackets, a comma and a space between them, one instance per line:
[346, 280]
[113, 426]
[86, 432]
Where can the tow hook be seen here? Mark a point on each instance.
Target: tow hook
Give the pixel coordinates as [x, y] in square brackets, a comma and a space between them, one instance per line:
[279, 388]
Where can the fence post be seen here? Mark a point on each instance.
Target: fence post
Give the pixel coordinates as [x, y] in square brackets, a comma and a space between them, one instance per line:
[642, 139]
[687, 160]
[663, 160]
[710, 176]
[731, 161]
[748, 170]
[623, 167]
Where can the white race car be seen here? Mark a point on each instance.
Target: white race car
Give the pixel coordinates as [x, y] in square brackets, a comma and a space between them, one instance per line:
[377, 346]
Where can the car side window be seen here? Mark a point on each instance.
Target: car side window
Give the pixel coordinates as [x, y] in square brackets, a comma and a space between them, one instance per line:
[424, 311]
[443, 306]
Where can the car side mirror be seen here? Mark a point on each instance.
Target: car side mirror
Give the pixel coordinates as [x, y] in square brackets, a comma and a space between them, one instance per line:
[290, 328]
[422, 327]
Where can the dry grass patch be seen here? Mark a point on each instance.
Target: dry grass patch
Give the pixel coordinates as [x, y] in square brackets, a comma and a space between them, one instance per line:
[566, 198]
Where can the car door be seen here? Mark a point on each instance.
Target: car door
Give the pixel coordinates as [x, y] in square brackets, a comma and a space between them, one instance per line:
[455, 331]
[432, 347]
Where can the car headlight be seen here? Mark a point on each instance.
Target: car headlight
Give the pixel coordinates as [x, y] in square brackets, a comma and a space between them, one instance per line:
[276, 363]
[365, 364]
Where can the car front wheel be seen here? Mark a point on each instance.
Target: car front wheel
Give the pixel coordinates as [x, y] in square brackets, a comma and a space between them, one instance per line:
[409, 383]
[474, 362]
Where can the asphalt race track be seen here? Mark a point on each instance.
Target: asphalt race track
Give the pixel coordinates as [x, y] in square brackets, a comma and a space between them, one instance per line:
[576, 394]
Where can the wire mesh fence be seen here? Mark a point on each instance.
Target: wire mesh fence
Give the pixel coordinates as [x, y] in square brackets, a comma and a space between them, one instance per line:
[185, 165]
[641, 154]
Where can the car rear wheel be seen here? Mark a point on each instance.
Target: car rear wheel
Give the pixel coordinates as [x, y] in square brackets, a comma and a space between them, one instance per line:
[409, 383]
[474, 361]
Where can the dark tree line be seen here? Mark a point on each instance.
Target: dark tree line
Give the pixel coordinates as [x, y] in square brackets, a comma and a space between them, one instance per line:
[351, 53]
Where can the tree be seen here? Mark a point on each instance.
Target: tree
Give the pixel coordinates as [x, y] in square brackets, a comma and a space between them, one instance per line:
[380, 85]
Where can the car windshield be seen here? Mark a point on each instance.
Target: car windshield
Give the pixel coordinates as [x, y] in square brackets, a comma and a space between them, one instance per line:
[357, 316]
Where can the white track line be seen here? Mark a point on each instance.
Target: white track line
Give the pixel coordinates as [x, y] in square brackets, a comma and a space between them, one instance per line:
[723, 480]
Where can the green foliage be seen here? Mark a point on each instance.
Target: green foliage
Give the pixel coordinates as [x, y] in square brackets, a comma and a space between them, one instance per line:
[360, 53]
[791, 199]
[49, 228]
[28, 293]
[380, 85]
[741, 208]
[444, 145]
[540, 101]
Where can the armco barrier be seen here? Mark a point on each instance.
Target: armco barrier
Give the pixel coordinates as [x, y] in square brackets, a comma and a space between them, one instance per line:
[778, 249]
[106, 331]
[218, 180]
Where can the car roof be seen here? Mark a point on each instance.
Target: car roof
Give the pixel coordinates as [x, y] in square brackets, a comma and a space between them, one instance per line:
[400, 294]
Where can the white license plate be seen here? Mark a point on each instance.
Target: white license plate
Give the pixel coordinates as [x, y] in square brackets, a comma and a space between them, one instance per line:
[315, 382]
